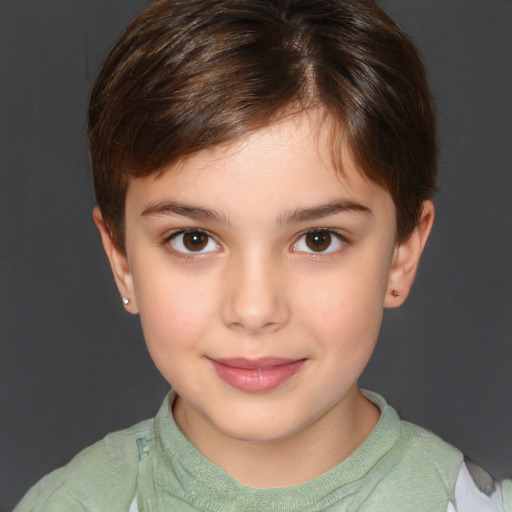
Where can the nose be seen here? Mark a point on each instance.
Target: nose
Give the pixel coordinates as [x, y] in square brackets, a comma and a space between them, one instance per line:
[255, 299]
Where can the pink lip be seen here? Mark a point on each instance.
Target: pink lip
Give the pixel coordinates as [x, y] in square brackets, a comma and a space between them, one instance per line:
[256, 375]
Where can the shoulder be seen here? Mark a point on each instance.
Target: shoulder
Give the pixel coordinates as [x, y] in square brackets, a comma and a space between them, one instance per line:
[468, 487]
[428, 453]
[101, 477]
[428, 474]
[422, 467]
[420, 471]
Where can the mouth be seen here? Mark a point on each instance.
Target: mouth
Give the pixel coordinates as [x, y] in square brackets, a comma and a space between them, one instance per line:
[256, 375]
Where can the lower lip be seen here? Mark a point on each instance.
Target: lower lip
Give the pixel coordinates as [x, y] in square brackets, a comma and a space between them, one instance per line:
[257, 380]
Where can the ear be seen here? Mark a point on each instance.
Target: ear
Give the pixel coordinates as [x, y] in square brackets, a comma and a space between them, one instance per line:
[118, 262]
[406, 258]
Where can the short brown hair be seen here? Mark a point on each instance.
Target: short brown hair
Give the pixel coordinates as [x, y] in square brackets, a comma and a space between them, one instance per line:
[191, 74]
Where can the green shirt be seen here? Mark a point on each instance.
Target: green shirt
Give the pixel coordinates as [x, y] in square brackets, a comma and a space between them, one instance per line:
[152, 467]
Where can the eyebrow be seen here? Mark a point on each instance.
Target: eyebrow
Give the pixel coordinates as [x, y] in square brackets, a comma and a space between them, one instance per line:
[297, 215]
[184, 210]
[322, 210]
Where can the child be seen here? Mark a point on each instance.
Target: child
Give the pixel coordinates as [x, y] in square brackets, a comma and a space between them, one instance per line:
[264, 173]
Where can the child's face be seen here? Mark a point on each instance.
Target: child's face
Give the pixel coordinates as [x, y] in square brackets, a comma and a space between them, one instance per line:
[260, 276]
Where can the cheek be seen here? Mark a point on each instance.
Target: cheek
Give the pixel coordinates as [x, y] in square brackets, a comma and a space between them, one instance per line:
[347, 305]
[175, 310]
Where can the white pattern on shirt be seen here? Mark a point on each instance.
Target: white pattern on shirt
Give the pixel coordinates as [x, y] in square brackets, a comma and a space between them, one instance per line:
[133, 505]
[468, 495]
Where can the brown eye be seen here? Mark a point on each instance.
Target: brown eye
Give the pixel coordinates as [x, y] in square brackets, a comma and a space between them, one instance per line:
[318, 241]
[193, 241]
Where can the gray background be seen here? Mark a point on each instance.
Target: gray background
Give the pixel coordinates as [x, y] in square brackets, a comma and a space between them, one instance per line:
[74, 365]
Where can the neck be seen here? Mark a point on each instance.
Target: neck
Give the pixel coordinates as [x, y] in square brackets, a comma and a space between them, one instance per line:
[299, 458]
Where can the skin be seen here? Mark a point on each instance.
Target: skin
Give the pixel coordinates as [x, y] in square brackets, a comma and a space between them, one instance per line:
[259, 288]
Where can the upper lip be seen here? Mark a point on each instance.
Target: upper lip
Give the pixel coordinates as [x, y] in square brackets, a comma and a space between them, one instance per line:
[254, 364]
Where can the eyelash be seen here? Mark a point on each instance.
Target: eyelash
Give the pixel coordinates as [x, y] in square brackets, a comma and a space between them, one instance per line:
[333, 237]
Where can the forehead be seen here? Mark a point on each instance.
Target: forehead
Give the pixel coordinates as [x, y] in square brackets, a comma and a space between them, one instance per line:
[288, 163]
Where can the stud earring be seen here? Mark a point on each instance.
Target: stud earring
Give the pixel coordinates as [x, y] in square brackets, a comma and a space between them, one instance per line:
[395, 293]
[125, 301]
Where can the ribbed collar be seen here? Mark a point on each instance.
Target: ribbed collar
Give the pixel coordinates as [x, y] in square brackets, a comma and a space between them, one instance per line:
[174, 468]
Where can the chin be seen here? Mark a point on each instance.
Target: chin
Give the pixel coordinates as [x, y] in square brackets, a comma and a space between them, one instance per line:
[257, 436]
[259, 430]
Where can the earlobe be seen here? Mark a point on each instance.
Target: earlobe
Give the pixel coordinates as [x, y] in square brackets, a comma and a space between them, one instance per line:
[118, 264]
[406, 259]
